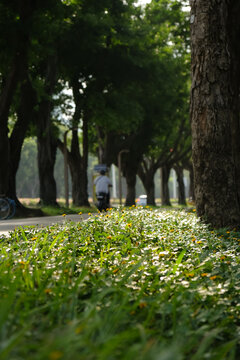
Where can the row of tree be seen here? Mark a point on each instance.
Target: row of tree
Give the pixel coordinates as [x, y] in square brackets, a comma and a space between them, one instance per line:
[127, 69]
[179, 186]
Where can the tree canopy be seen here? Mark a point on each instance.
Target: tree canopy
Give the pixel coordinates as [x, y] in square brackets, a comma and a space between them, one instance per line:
[126, 67]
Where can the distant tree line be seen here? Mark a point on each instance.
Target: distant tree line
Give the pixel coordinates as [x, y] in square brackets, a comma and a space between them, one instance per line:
[27, 179]
[127, 72]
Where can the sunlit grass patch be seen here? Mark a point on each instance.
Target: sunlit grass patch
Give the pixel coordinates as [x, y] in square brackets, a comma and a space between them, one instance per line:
[128, 284]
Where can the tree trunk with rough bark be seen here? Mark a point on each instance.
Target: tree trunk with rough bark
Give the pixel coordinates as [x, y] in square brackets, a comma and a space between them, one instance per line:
[215, 110]
[25, 113]
[47, 148]
[150, 190]
[146, 173]
[130, 165]
[6, 97]
[131, 178]
[165, 172]
[18, 66]
[78, 162]
[78, 169]
[46, 141]
[181, 186]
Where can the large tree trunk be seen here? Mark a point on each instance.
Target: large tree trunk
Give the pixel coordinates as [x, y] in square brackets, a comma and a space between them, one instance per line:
[47, 148]
[78, 169]
[25, 113]
[146, 174]
[165, 172]
[130, 164]
[7, 93]
[131, 178]
[10, 82]
[215, 112]
[79, 163]
[150, 189]
[46, 141]
[181, 186]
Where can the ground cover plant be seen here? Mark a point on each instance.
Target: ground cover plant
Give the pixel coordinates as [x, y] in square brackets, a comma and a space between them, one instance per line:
[127, 284]
[57, 210]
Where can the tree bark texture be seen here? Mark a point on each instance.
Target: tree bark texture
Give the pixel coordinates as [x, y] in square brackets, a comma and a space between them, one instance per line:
[78, 162]
[165, 172]
[215, 110]
[25, 113]
[47, 148]
[131, 178]
[181, 186]
[47, 142]
[19, 63]
[5, 103]
[78, 169]
[146, 174]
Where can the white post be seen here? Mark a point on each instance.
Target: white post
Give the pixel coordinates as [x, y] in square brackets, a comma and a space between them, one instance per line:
[114, 182]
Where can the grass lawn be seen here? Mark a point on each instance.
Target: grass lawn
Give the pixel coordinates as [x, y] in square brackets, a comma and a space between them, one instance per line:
[57, 210]
[128, 284]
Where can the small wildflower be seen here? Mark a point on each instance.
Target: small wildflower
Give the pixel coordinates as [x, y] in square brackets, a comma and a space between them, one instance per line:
[55, 355]
[213, 277]
[142, 305]
[78, 330]
[129, 224]
[80, 213]
[115, 270]
[64, 214]
[190, 275]
[22, 262]
[199, 242]
[47, 291]
[109, 237]
[223, 257]
[204, 274]
[34, 238]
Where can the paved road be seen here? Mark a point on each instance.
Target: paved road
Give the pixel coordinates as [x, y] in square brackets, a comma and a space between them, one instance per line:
[9, 225]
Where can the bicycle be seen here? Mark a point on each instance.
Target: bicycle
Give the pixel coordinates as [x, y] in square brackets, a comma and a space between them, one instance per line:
[102, 201]
[7, 207]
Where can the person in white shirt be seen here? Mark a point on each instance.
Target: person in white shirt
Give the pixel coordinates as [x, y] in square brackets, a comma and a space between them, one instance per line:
[103, 183]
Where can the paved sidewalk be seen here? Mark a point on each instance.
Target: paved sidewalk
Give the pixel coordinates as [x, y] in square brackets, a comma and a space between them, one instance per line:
[9, 225]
